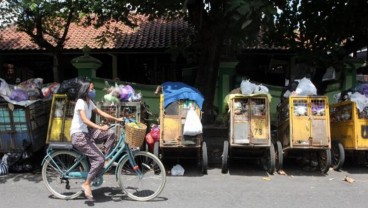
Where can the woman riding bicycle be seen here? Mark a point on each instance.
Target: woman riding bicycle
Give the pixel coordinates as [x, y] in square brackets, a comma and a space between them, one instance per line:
[85, 134]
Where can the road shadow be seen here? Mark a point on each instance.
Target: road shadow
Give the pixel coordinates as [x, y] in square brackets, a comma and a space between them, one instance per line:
[115, 194]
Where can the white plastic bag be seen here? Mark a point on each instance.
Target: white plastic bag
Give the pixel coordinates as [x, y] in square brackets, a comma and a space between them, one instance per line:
[177, 170]
[306, 87]
[192, 125]
[360, 100]
[260, 89]
[247, 88]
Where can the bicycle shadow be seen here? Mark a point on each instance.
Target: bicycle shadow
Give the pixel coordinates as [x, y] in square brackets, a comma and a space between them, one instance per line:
[106, 194]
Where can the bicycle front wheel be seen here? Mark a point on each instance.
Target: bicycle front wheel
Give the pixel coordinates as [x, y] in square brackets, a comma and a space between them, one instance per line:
[146, 180]
[54, 174]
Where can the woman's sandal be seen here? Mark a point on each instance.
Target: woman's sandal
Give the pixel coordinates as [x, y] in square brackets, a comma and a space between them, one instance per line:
[87, 193]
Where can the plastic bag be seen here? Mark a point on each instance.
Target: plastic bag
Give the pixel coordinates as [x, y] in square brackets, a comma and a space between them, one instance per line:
[177, 170]
[261, 89]
[4, 167]
[155, 132]
[126, 92]
[71, 87]
[247, 88]
[306, 88]
[192, 125]
[4, 88]
[360, 100]
[19, 95]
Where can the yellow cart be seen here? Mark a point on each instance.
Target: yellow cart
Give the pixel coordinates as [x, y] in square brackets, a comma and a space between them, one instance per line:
[173, 144]
[304, 125]
[349, 132]
[249, 131]
[60, 120]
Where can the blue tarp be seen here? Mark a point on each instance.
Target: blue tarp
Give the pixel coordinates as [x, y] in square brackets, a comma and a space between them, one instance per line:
[174, 91]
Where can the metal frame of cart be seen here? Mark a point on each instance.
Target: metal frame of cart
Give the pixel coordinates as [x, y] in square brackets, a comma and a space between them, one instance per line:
[173, 144]
[304, 125]
[349, 132]
[249, 131]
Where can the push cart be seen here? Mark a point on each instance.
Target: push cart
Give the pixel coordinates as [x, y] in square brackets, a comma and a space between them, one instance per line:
[23, 126]
[349, 133]
[175, 102]
[304, 125]
[249, 130]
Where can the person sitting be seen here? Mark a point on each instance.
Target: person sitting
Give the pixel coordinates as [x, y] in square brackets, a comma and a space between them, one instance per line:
[85, 134]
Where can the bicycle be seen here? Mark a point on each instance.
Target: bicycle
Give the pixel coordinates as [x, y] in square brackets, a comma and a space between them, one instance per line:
[141, 175]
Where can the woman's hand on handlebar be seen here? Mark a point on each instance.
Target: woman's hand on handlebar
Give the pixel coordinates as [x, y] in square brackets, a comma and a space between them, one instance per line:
[121, 119]
[104, 127]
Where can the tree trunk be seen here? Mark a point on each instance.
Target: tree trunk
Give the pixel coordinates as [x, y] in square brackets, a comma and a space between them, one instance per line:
[207, 75]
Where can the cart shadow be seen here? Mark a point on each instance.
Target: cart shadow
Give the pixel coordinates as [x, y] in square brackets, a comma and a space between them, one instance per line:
[246, 167]
[191, 168]
[296, 167]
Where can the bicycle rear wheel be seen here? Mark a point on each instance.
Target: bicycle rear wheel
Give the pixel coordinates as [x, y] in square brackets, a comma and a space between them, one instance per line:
[147, 181]
[53, 171]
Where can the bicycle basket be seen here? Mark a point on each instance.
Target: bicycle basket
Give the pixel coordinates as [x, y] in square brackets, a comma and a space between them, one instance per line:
[135, 134]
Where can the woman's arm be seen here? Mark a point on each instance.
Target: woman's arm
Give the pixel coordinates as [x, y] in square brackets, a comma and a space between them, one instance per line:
[106, 115]
[89, 123]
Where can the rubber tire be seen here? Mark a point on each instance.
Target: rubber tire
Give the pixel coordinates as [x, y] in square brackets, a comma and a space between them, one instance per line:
[279, 156]
[270, 160]
[337, 155]
[324, 160]
[204, 158]
[84, 166]
[156, 149]
[225, 156]
[125, 170]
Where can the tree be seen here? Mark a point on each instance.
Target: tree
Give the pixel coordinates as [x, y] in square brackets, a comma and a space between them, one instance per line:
[323, 32]
[46, 22]
[215, 26]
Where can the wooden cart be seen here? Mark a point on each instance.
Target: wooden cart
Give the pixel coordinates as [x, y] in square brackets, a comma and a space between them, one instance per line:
[249, 131]
[173, 144]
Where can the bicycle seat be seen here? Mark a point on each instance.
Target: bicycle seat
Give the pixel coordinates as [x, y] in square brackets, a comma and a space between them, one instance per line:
[61, 145]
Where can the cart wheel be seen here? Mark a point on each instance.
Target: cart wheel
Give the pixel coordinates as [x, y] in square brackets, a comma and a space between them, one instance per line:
[156, 147]
[324, 160]
[269, 160]
[337, 155]
[279, 156]
[225, 155]
[204, 158]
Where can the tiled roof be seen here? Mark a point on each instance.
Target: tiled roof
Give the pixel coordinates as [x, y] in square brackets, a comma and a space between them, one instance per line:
[155, 34]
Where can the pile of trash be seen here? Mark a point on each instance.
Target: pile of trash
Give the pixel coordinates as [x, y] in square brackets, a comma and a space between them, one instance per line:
[30, 89]
[249, 88]
[299, 87]
[17, 162]
[357, 94]
[121, 93]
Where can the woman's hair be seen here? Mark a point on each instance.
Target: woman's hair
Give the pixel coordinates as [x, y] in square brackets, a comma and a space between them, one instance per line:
[83, 91]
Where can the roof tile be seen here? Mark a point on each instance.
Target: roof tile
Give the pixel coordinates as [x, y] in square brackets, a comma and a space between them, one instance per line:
[156, 34]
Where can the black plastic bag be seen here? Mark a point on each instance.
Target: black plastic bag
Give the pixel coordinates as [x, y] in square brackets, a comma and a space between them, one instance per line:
[71, 86]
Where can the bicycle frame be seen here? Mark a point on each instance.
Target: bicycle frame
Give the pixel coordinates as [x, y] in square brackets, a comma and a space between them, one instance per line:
[114, 154]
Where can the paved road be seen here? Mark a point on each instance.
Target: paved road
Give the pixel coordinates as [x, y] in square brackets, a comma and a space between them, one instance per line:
[246, 185]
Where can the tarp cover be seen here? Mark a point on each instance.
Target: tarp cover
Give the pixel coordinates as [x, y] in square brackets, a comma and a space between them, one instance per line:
[174, 91]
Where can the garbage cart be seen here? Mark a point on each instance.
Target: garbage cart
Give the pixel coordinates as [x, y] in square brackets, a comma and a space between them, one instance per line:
[304, 126]
[23, 125]
[249, 130]
[175, 102]
[349, 133]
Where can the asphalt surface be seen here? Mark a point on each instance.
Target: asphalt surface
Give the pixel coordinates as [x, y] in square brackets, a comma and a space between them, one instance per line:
[245, 185]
